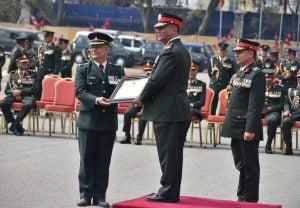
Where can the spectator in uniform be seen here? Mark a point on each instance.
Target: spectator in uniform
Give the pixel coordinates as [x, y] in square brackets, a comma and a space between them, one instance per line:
[95, 81]
[49, 57]
[289, 68]
[67, 58]
[31, 53]
[166, 104]
[196, 92]
[132, 110]
[243, 119]
[264, 61]
[291, 114]
[2, 62]
[20, 88]
[16, 52]
[220, 70]
[274, 56]
[274, 101]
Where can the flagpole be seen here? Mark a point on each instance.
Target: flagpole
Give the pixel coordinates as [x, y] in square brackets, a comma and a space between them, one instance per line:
[298, 28]
[220, 24]
[260, 19]
[280, 29]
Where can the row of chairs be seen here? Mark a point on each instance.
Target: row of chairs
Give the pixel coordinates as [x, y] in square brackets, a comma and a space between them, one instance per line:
[214, 124]
[58, 98]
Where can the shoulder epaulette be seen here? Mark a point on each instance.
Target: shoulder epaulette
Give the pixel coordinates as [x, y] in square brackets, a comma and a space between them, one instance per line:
[256, 69]
[169, 46]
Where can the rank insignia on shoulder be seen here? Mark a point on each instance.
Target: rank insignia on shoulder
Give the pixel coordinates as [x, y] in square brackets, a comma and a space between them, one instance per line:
[169, 45]
[256, 69]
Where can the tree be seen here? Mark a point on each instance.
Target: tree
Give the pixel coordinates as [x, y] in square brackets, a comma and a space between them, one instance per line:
[209, 12]
[294, 17]
[146, 11]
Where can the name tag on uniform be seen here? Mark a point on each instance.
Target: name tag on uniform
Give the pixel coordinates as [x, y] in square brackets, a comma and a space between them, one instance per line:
[49, 52]
[113, 80]
[66, 58]
[293, 68]
[227, 65]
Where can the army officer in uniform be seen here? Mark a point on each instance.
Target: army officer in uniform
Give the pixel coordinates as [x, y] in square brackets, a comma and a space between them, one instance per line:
[274, 101]
[49, 57]
[2, 62]
[220, 70]
[20, 88]
[291, 114]
[289, 68]
[97, 121]
[196, 92]
[243, 119]
[166, 104]
[67, 58]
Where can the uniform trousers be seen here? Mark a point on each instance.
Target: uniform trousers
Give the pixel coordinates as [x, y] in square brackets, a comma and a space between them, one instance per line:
[273, 120]
[27, 104]
[246, 161]
[287, 124]
[170, 138]
[130, 113]
[95, 148]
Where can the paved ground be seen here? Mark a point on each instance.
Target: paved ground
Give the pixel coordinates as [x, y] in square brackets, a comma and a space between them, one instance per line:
[41, 171]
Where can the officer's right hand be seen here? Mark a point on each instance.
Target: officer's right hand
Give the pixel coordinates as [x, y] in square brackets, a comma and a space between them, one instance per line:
[286, 114]
[102, 101]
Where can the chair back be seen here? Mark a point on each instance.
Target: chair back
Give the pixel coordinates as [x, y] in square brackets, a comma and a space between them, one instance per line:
[123, 106]
[222, 103]
[206, 108]
[64, 92]
[48, 87]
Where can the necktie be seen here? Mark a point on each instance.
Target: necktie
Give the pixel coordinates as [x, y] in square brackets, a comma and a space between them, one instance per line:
[101, 69]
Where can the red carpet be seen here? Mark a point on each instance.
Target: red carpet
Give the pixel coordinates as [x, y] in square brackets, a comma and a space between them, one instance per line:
[190, 202]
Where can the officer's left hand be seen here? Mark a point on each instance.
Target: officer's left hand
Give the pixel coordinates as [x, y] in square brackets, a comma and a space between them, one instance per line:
[248, 136]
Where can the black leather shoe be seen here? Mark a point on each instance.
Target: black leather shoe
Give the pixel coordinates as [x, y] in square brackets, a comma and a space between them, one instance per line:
[158, 198]
[268, 149]
[288, 152]
[101, 203]
[126, 140]
[11, 129]
[84, 202]
[18, 130]
[138, 142]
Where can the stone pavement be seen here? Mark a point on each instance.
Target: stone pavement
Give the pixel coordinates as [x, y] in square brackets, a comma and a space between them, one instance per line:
[41, 171]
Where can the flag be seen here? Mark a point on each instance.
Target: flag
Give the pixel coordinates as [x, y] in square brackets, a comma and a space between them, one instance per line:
[221, 3]
[245, 5]
[106, 24]
[285, 3]
[287, 38]
[276, 45]
[91, 27]
[37, 24]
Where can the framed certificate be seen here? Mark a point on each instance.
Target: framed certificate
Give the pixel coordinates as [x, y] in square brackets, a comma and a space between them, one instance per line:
[128, 89]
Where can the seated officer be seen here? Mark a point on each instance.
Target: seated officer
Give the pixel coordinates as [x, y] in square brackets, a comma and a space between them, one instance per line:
[196, 92]
[274, 101]
[132, 110]
[19, 88]
[291, 114]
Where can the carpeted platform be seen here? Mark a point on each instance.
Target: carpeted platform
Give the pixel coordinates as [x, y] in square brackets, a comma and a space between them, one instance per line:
[190, 202]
